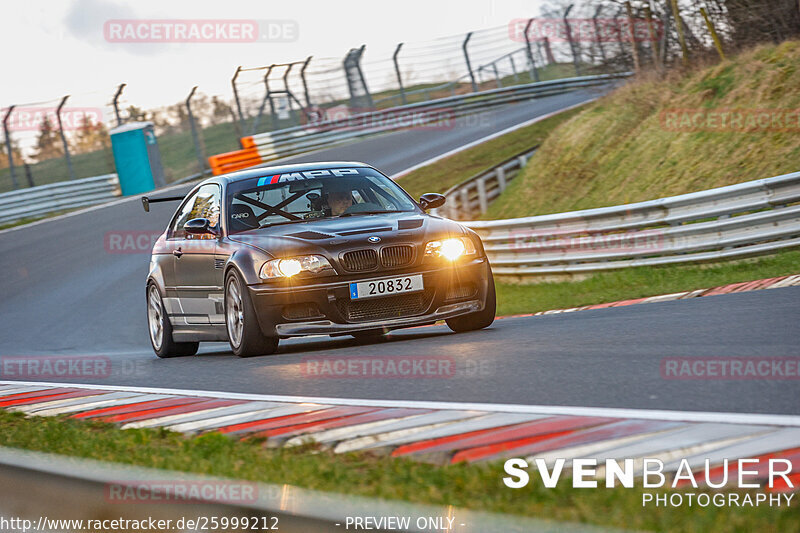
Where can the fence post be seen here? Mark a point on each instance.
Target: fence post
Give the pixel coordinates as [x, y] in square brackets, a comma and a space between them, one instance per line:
[303, 77]
[549, 51]
[116, 103]
[198, 149]
[497, 75]
[632, 36]
[534, 70]
[576, 56]
[513, 67]
[29, 175]
[64, 138]
[597, 34]
[8, 147]
[469, 65]
[397, 73]
[361, 76]
[236, 98]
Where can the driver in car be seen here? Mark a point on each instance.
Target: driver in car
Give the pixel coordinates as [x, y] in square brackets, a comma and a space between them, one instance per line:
[339, 200]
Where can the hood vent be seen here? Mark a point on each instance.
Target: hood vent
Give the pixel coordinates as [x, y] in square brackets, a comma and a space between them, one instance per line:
[311, 235]
[365, 230]
[409, 223]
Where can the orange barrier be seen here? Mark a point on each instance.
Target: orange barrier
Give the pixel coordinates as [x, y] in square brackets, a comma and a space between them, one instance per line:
[247, 157]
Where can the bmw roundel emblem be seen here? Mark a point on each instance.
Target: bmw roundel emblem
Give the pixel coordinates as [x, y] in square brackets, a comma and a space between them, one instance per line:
[374, 239]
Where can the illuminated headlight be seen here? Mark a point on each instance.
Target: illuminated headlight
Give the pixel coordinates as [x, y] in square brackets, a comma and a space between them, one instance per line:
[291, 266]
[450, 249]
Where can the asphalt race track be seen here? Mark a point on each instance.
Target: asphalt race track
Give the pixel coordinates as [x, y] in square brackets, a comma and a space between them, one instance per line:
[65, 292]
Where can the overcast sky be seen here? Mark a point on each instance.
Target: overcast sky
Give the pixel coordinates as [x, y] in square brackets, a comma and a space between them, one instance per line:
[57, 47]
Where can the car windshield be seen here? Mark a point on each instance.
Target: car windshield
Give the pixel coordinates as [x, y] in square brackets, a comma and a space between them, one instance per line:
[310, 195]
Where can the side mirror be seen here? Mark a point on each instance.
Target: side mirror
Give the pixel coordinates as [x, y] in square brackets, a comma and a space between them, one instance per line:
[431, 200]
[199, 226]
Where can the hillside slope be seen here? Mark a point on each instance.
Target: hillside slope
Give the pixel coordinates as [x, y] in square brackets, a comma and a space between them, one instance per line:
[636, 143]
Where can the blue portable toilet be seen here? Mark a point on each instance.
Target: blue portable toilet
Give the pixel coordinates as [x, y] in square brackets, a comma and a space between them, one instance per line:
[137, 157]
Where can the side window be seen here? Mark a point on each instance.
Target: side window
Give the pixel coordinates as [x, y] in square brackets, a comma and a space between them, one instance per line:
[203, 204]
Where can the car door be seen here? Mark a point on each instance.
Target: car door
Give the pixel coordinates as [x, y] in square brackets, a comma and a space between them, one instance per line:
[199, 297]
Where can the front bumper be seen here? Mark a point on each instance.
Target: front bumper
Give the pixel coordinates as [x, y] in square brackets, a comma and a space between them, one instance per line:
[335, 314]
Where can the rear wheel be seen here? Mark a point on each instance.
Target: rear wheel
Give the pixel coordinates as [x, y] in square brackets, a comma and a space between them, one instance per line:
[160, 328]
[479, 319]
[244, 333]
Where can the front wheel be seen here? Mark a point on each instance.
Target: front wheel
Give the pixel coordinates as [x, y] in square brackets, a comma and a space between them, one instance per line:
[479, 319]
[244, 333]
[160, 328]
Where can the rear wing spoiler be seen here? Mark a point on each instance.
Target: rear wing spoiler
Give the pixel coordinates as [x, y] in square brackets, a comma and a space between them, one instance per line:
[146, 201]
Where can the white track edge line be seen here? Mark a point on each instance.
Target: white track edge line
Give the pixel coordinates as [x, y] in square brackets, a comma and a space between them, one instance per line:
[614, 412]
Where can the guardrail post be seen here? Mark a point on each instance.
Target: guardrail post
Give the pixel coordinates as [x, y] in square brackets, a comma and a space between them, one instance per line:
[198, 149]
[469, 65]
[397, 73]
[466, 208]
[523, 160]
[236, 97]
[9, 151]
[63, 139]
[116, 103]
[483, 201]
[500, 172]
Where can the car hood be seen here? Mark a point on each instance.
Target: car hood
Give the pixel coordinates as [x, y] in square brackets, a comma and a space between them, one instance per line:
[331, 236]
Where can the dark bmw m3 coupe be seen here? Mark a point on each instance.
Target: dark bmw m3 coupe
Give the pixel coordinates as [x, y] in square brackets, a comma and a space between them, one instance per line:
[312, 249]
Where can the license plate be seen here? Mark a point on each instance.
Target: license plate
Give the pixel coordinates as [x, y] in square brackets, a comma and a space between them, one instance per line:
[385, 287]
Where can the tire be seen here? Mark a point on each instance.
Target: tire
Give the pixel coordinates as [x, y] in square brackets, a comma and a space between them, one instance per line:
[244, 333]
[479, 319]
[160, 328]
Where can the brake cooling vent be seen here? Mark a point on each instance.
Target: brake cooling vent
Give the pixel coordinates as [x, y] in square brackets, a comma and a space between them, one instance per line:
[398, 306]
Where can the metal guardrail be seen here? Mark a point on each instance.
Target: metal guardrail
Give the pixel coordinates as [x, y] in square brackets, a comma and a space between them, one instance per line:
[35, 485]
[265, 147]
[43, 200]
[736, 221]
[471, 197]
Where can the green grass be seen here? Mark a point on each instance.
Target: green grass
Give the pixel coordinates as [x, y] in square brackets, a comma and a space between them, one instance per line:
[477, 486]
[640, 282]
[619, 151]
[443, 174]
